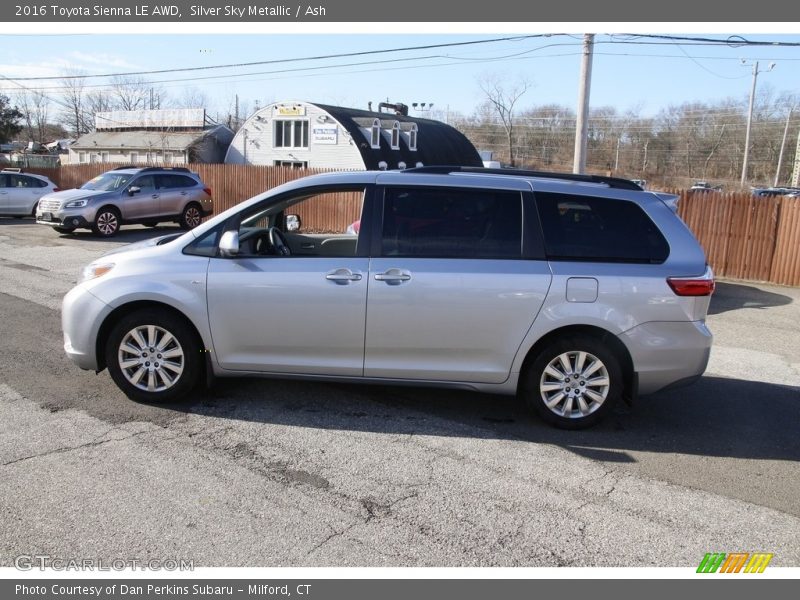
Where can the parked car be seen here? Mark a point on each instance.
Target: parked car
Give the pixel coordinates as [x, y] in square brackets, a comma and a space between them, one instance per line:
[124, 195]
[572, 291]
[20, 192]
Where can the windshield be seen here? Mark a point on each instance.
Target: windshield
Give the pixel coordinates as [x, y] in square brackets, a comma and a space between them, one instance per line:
[107, 182]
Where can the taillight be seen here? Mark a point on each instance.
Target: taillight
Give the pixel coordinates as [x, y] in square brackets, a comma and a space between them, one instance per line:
[207, 190]
[693, 286]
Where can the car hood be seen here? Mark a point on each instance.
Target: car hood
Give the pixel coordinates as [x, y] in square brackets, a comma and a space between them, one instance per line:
[76, 194]
[156, 241]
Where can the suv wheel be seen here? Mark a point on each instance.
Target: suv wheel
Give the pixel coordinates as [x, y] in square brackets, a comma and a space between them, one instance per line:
[106, 222]
[153, 357]
[574, 382]
[190, 217]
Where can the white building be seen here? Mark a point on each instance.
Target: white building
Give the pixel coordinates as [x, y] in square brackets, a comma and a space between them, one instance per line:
[302, 134]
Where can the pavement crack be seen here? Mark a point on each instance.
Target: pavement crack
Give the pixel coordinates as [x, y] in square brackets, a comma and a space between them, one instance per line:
[63, 450]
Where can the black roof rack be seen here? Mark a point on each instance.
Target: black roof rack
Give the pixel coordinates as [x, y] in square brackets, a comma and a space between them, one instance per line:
[612, 182]
[145, 169]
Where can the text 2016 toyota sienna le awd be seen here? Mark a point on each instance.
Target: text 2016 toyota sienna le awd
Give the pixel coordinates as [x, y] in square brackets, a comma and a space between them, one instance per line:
[571, 291]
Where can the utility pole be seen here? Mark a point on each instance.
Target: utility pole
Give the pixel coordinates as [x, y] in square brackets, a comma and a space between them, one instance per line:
[582, 114]
[750, 117]
[783, 146]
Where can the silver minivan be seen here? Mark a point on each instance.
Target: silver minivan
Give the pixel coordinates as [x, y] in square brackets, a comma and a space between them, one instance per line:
[572, 291]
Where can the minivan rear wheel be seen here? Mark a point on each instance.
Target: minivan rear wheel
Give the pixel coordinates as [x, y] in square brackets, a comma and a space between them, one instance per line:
[153, 356]
[573, 382]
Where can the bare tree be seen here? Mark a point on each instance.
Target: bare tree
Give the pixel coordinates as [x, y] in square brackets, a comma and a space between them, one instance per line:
[34, 107]
[135, 93]
[72, 93]
[192, 97]
[503, 99]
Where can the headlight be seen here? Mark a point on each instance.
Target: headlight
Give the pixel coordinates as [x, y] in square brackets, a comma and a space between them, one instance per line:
[94, 271]
[76, 203]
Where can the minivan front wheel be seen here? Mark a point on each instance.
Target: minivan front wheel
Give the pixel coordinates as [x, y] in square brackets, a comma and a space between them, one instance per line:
[574, 382]
[153, 356]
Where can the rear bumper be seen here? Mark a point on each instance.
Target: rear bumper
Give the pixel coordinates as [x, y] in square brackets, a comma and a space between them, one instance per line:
[668, 354]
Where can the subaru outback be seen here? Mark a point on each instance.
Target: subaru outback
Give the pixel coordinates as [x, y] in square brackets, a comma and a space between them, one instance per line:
[574, 292]
[125, 195]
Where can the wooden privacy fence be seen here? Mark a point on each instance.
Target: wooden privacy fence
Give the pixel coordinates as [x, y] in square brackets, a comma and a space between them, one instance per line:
[745, 237]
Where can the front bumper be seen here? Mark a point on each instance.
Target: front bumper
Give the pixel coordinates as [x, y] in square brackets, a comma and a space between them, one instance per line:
[62, 219]
[81, 316]
[668, 354]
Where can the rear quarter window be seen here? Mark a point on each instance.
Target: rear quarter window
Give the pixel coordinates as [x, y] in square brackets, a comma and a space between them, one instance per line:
[587, 228]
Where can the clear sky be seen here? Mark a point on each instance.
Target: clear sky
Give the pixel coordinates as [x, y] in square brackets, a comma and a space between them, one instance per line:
[628, 72]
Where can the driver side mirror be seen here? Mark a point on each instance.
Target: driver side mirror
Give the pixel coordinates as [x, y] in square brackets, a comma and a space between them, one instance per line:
[293, 222]
[134, 189]
[229, 244]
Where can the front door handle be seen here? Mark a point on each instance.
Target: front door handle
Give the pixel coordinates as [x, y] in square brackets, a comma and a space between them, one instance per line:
[343, 276]
[393, 276]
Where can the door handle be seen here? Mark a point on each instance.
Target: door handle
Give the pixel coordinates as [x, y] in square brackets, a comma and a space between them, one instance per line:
[154, 196]
[343, 276]
[307, 246]
[184, 193]
[393, 276]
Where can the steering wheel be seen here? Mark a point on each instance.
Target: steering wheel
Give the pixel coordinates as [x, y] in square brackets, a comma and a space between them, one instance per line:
[278, 242]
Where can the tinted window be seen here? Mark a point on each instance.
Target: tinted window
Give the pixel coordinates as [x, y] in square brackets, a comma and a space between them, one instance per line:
[599, 229]
[452, 223]
[175, 181]
[21, 181]
[3, 181]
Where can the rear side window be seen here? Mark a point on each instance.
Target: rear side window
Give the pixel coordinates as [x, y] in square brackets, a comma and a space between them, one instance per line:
[588, 228]
[451, 223]
[172, 181]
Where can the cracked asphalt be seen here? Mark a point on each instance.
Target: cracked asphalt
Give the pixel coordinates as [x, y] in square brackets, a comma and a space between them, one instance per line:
[289, 473]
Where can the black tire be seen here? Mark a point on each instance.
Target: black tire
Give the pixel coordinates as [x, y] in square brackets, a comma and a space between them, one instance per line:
[576, 403]
[151, 224]
[64, 230]
[135, 379]
[106, 222]
[191, 216]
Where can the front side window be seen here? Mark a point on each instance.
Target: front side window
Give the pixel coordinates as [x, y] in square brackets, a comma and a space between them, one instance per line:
[323, 223]
[589, 228]
[452, 223]
[291, 134]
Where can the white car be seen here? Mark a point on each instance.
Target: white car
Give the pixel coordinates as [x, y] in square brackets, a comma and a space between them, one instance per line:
[20, 192]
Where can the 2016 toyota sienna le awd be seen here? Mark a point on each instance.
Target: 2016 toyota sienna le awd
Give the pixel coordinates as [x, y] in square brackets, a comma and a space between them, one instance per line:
[571, 291]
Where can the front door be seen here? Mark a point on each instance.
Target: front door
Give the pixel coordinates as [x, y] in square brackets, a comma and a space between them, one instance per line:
[273, 311]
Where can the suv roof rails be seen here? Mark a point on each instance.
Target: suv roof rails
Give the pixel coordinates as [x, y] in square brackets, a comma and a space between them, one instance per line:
[612, 182]
[12, 170]
[146, 169]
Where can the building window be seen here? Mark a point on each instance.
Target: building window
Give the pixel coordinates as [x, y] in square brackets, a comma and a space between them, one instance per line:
[167, 158]
[104, 157]
[81, 157]
[375, 139]
[294, 164]
[291, 134]
[93, 157]
[134, 157]
[396, 136]
[412, 137]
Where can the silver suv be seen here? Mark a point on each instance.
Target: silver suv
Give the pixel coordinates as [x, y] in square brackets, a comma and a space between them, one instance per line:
[128, 195]
[572, 291]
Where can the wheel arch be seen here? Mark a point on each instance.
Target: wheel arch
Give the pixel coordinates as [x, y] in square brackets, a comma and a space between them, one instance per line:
[603, 335]
[126, 309]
